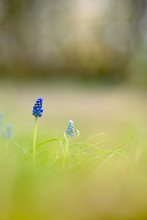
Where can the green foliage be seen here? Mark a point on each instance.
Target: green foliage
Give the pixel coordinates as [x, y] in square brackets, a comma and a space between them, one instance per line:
[100, 176]
[91, 172]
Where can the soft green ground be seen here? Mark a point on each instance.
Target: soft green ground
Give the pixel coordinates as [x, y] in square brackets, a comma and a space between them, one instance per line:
[105, 175]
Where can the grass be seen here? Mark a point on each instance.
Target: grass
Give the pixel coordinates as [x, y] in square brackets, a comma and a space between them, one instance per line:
[104, 175]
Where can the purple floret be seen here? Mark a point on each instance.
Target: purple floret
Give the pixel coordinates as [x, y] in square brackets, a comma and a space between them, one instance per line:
[37, 108]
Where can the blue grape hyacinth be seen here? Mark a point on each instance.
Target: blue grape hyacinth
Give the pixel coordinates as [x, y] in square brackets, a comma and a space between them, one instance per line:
[37, 108]
[1, 119]
[8, 132]
[70, 129]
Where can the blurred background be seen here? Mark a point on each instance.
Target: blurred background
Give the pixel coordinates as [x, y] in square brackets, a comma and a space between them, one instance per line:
[104, 41]
[88, 60]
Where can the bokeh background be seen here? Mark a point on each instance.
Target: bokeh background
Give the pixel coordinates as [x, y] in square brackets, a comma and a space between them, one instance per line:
[88, 60]
[87, 39]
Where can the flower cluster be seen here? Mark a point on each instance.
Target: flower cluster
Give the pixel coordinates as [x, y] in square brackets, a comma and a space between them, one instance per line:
[5, 131]
[70, 129]
[1, 119]
[8, 132]
[37, 108]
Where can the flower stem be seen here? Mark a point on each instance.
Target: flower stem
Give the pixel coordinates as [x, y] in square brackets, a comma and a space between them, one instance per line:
[66, 150]
[35, 138]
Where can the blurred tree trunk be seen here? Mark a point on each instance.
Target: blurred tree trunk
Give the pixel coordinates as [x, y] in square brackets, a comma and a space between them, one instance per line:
[12, 25]
[138, 69]
[138, 11]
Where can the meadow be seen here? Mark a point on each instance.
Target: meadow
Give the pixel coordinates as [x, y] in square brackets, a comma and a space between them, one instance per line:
[104, 175]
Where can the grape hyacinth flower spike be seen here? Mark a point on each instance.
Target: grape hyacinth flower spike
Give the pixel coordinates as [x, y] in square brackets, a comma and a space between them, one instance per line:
[8, 132]
[70, 132]
[1, 119]
[37, 108]
[1, 122]
[37, 112]
[70, 129]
